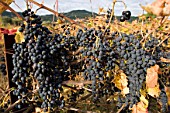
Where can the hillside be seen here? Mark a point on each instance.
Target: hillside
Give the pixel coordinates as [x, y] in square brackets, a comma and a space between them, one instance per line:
[72, 14]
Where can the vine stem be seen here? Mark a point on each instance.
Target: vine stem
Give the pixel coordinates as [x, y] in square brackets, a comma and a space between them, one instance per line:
[12, 106]
[113, 13]
[76, 82]
[159, 44]
[163, 41]
[2, 90]
[161, 23]
[9, 8]
[78, 110]
[18, 101]
[121, 108]
[17, 5]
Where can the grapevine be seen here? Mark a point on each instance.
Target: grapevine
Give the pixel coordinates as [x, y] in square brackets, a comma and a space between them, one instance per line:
[54, 70]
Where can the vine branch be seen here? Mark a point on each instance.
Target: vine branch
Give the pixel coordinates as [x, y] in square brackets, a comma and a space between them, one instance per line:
[12, 10]
[56, 13]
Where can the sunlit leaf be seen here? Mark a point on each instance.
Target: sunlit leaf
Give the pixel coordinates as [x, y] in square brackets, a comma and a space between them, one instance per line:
[19, 37]
[167, 89]
[125, 91]
[59, 21]
[158, 8]
[152, 76]
[121, 82]
[165, 60]
[101, 10]
[38, 110]
[139, 108]
[154, 92]
[145, 101]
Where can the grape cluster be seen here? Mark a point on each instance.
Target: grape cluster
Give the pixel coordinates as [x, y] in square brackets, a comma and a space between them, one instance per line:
[2, 65]
[39, 62]
[108, 15]
[157, 52]
[163, 97]
[4, 106]
[134, 61]
[125, 16]
[99, 58]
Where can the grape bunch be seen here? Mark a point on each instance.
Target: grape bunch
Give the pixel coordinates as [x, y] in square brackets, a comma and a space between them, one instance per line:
[163, 97]
[134, 61]
[125, 16]
[2, 65]
[108, 15]
[156, 51]
[159, 52]
[3, 69]
[99, 59]
[40, 62]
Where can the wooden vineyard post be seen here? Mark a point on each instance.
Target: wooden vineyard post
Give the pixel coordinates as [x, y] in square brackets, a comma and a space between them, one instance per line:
[9, 40]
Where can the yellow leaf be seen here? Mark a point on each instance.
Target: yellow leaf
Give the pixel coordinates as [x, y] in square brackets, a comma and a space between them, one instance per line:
[154, 92]
[37, 109]
[124, 30]
[89, 24]
[59, 21]
[167, 89]
[123, 80]
[145, 101]
[19, 37]
[125, 91]
[165, 60]
[120, 81]
[147, 8]
[101, 9]
[139, 108]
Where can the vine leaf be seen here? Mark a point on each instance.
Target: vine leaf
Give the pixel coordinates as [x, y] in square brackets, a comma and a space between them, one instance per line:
[154, 92]
[167, 89]
[101, 10]
[19, 38]
[158, 8]
[121, 82]
[139, 108]
[165, 60]
[152, 76]
[38, 110]
[125, 91]
[145, 101]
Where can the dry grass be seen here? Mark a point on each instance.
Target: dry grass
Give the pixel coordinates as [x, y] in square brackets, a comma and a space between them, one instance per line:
[3, 79]
[3, 83]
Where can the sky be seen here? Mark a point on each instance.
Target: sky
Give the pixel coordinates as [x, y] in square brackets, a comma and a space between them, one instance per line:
[69, 5]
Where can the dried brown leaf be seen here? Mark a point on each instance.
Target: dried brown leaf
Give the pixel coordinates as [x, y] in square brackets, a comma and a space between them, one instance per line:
[154, 92]
[152, 76]
[121, 82]
[158, 8]
[139, 108]
[165, 60]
